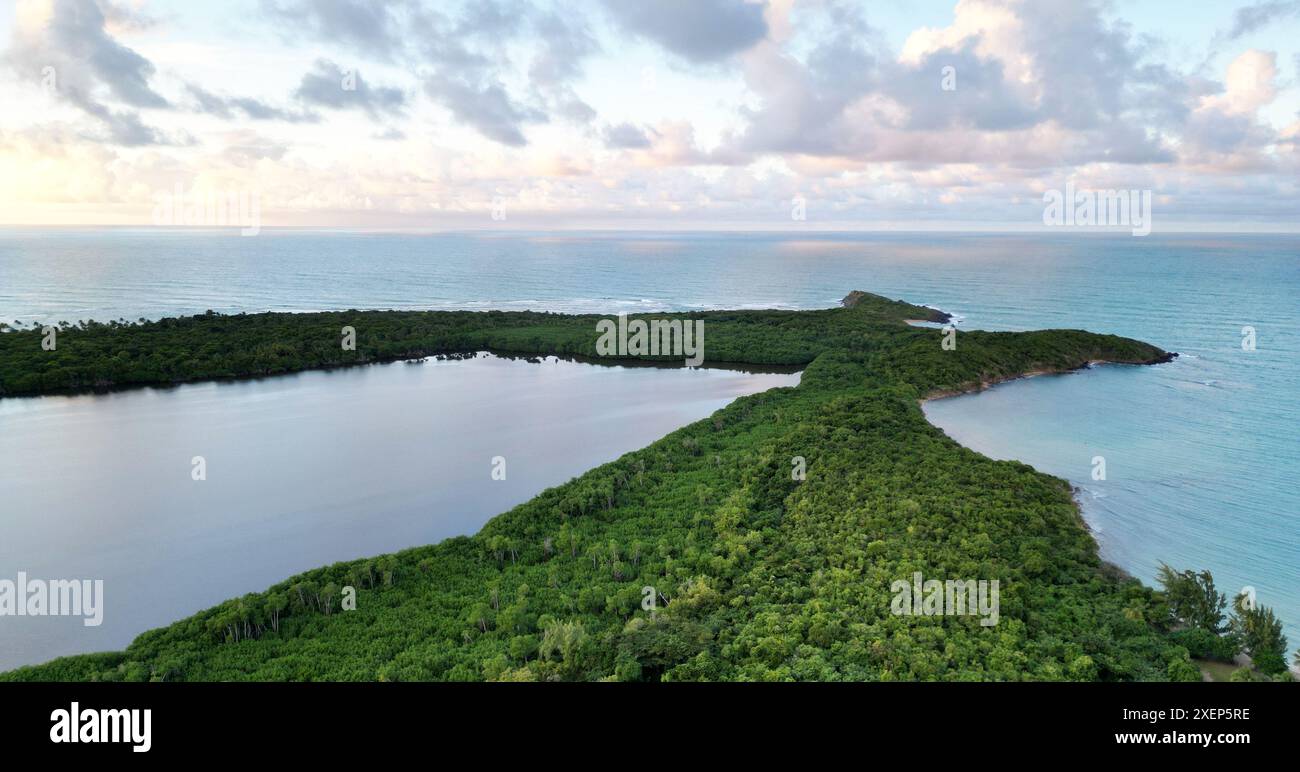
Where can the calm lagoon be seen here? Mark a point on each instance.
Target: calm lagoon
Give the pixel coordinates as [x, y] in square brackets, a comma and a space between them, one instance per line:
[301, 471]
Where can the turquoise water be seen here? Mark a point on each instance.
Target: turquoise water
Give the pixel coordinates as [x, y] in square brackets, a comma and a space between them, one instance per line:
[1201, 455]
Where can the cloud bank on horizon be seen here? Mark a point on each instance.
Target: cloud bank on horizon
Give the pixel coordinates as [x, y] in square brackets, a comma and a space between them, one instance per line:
[666, 114]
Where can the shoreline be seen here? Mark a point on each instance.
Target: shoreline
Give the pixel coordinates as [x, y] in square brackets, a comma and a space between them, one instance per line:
[988, 383]
[263, 570]
[732, 432]
[758, 368]
[1107, 567]
[674, 364]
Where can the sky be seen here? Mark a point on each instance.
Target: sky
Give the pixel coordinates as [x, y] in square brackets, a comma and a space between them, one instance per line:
[670, 114]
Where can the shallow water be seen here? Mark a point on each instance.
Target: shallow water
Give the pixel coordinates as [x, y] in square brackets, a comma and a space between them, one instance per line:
[1180, 484]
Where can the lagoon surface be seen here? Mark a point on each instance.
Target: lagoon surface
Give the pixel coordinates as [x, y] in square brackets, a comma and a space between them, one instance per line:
[301, 471]
[1202, 453]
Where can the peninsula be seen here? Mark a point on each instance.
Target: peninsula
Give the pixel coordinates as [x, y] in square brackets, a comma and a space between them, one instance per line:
[758, 544]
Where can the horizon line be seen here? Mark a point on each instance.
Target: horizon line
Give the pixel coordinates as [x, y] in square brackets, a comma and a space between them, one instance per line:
[1287, 229]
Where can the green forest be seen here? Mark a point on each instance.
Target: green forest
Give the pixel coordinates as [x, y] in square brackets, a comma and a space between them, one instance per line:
[706, 556]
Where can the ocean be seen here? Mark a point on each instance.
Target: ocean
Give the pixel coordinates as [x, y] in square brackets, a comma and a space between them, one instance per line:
[1201, 455]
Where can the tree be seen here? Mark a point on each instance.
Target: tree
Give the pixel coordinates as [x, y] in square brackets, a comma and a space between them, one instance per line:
[387, 566]
[276, 603]
[1192, 599]
[498, 545]
[1261, 635]
[523, 647]
[567, 644]
[481, 616]
[327, 595]
[751, 576]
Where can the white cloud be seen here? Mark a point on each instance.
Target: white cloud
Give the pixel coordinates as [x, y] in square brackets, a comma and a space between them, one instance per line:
[546, 104]
[1248, 85]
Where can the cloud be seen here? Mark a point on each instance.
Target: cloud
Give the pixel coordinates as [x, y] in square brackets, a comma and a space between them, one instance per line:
[1224, 133]
[229, 108]
[696, 30]
[65, 45]
[673, 143]
[1248, 84]
[1049, 68]
[470, 58]
[487, 108]
[1253, 17]
[328, 85]
[565, 46]
[77, 33]
[794, 98]
[374, 29]
[983, 97]
[244, 148]
[625, 136]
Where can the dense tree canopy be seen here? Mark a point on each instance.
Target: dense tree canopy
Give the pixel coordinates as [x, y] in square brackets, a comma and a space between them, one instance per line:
[704, 556]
